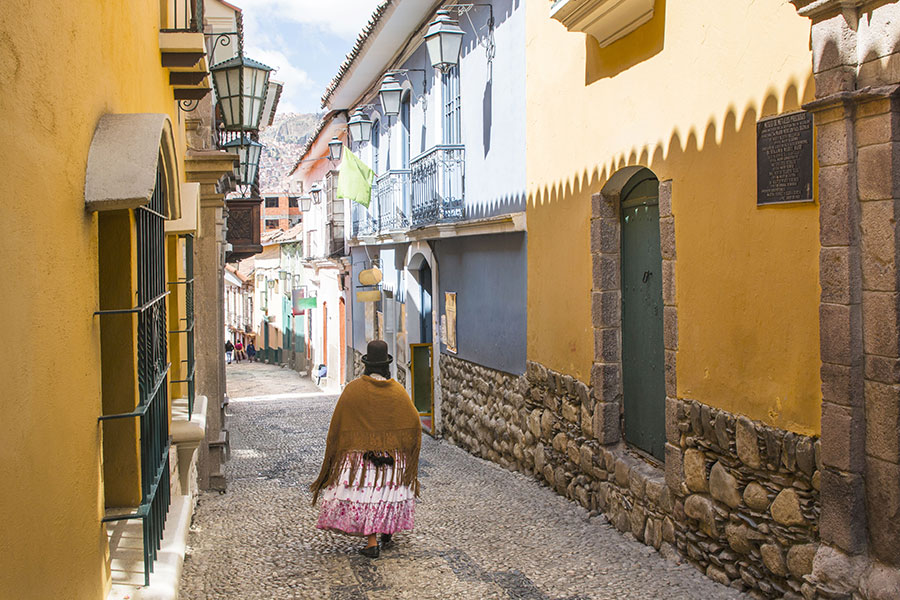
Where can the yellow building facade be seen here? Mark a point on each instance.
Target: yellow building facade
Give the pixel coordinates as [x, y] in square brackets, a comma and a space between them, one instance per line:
[708, 369]
[95, 133]
[681, 96]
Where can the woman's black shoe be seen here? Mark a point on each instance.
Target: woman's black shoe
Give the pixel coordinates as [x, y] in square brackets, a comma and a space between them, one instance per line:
[386, 540]
[371, 551]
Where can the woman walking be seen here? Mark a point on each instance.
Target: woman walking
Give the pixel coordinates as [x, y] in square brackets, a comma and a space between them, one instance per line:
[368, 482]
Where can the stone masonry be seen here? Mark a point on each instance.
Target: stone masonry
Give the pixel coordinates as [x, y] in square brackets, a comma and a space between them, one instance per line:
[742, 505]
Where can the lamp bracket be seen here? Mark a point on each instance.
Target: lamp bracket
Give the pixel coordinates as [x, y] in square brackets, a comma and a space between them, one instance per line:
[487, 40]
[224, 38]
[189, 105]
[405, 72]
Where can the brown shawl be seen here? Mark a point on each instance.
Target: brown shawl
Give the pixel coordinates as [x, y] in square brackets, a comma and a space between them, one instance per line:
[375, 415]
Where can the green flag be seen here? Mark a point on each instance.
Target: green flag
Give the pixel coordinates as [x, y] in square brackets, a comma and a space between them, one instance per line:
[355, 179]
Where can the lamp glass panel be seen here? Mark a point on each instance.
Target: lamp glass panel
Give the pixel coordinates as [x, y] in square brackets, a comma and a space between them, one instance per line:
[365, 131]
[335, 150]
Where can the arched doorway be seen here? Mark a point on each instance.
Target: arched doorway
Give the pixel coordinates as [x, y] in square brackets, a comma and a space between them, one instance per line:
[643, 351]
[424, 368]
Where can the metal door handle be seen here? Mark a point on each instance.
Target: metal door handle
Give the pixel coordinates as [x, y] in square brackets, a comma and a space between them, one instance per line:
[647, 275]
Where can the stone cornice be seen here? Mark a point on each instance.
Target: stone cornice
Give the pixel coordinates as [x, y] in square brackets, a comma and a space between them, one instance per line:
[854, 97]
[817, 8]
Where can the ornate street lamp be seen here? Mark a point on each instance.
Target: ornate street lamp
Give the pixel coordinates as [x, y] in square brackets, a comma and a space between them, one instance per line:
[241, 85]
[248, 154]
[335, 149]
[360, 126]
[390, 93]
[443, 41]
[305, 203]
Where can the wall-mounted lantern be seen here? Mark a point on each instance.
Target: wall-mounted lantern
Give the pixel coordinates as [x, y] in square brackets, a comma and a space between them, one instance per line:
[335, 149]
[260, 278]
[390, 93]
[271, 284]
[444, 41]
[241, 85]
[360, 126]
[284, 275]
[248, 154]
[316, 192]
[305, 203]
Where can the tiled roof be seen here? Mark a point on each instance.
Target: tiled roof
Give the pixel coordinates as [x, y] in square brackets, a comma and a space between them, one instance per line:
[374, 20]
[282, 236]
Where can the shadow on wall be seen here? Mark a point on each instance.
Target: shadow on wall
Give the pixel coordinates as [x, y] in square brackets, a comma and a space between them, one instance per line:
[718, 141]
[643, 43]
[716, 174]
[496, 206]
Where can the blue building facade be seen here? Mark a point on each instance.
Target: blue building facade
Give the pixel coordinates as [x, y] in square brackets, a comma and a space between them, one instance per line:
[446, 225]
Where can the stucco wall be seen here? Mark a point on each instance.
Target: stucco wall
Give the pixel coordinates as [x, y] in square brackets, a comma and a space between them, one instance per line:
[492, 112]
[681, 95]
[62, 69]
[488, 274]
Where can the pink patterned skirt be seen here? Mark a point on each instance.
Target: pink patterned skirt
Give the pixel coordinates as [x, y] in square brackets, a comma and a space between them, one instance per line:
[365, 507]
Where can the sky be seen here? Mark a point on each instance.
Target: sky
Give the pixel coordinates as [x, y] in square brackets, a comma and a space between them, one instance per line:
[305, 40]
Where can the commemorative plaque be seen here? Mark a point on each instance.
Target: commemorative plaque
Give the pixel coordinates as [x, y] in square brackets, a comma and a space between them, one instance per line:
[784, 159]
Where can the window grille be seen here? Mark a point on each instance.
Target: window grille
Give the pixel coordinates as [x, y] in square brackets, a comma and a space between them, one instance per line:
[153, 369]
[188, 318]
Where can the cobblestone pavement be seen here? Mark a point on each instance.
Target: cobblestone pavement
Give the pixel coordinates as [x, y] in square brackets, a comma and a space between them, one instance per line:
[481, 531]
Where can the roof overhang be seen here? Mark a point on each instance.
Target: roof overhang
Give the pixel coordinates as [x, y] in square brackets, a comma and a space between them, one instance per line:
[401, 20]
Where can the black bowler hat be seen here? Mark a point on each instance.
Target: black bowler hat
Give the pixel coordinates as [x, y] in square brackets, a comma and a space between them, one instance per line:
[377, 354]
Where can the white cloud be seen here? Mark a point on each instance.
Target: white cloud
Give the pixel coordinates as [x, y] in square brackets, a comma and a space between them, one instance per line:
[296, 81]
[344, 18]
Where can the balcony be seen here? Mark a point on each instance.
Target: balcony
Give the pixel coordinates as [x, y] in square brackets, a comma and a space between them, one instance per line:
[364, 224]
[183, 49]
[391, 192]
[182, 16]
[438, 186]
[430, 192]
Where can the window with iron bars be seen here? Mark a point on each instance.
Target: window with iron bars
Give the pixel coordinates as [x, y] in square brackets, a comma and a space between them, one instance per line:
[151, 407]
[188, 318]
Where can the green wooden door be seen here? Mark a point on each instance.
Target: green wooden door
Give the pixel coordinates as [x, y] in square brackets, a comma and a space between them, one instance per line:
[423, 383]
[643, 356]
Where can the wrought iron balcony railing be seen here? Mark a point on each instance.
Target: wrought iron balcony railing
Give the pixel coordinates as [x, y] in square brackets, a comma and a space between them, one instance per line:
[438, 185]
[183, 15]
[391, 192]
[364, 222]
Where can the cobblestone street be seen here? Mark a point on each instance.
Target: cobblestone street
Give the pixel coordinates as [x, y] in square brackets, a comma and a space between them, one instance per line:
[481, 531]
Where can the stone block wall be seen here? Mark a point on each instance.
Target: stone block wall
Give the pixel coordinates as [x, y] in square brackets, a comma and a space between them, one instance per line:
[749, 499]
[739, 500]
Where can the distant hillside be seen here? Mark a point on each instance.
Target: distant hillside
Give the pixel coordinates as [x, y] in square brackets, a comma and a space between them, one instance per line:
[283, 141]
[292, 128]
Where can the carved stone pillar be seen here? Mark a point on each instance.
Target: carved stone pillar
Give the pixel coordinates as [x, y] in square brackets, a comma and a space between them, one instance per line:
[206, 168]
[856, 63]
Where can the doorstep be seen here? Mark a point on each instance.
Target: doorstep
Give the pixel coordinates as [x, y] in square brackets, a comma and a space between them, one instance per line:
[127, 561]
